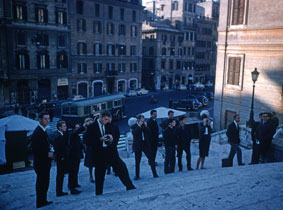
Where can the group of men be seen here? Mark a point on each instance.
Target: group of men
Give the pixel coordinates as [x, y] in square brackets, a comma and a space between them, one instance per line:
[262, 134]
[100, 135]
[176, 137]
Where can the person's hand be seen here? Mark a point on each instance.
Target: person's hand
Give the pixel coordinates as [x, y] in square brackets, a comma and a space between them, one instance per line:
[145, 124]
[110, 139]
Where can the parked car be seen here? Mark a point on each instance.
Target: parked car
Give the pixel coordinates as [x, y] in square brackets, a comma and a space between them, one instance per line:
[185, 104]
[142, 91]
[182, 87]
[198, 85]
[196, 101]
[131, 93]
[208, 94]
[76, 98]
[202, 98]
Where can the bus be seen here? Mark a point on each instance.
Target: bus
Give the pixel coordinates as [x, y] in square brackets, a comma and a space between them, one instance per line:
[74, 112]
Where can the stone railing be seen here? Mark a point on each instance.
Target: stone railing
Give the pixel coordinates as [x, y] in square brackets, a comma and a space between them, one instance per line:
[245, 137]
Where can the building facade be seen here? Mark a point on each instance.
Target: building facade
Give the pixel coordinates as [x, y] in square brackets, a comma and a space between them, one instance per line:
[250, 36]
[34, 62]
[105, 46]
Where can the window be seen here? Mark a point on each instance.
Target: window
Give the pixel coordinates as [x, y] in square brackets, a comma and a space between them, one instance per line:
[175, 5]
[21, 38]
[133, 67]
[171, 64]
[122, 14]
[41, 15]
[110, 12]
[122, 29]
[81, 48]
[43, 60]
[164, 38]
[96, 27]
[81, 25]
[185, 51]
[62, 60]
[97, 49]
[110, 49]
[178, 64]
[110, 29]
[122, 67]
[133, 49]
[97, 68]
[61, 40]
[121, 49]
[180, 51]
[80, 7]
[82, 68]
[61, 17]
[117, 103]
[163, 51]
[134, 31]
[163, 64]
[22, 59]
[234, 67]
[238, 12]
[20, 12]
[172, 51]
[97, 10]
[172, 38]
[110, 67]
[134, 16]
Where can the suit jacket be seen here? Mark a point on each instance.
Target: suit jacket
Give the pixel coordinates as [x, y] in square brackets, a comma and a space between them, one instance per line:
[183, 135]
[93, 136]
[138, 133]
[233, 134]
[60, 147]
[154, 131]
[266, 136]
[76, 146]
[169, 137]
[40, 148]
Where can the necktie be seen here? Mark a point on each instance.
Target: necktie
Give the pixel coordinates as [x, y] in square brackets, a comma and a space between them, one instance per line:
[102, 128]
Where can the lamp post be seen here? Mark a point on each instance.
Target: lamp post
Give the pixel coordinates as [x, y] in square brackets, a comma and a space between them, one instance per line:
[255, 75]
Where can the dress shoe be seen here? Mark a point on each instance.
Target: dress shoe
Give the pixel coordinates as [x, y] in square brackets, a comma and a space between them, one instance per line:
[136, 178]
[75, 192]
[180, 169]
[77, 186]
[132, 187]
[91, 180]
[61, 194]
[39, 205]
[190, 169]
[155, 176]
[242, 164]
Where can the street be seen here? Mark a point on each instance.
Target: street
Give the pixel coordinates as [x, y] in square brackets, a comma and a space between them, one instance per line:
[139, 104]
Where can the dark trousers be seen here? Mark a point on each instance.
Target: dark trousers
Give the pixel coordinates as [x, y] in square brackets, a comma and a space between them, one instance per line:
[255, 154]
[154, 152]
[61, 168]
[120, 169]
[235, 148]
[170, 160]
[73, 173]
[42, 184]
[148, 153]
[180, 150]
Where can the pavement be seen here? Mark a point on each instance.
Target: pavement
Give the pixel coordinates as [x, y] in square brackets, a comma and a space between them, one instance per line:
[239, 187]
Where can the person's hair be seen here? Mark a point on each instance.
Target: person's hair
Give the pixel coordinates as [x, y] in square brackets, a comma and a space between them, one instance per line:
[171, 120]
[41, 114]
[140, 116]
[268, 114]
[236, 115]
[203, 116]
[152, 111]
[88, 119]
[182, 117]
[260, 114]
[60, 123]
[105, 113]
[170, 111]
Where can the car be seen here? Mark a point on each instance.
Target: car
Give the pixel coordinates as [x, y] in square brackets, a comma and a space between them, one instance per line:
[77, 97]
[142, 91]
[198, 85]
[182, 87]
[198, 104]
[131, 93]
[202, 98]
[185, 104]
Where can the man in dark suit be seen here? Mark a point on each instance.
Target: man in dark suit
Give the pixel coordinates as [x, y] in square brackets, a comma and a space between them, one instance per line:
[100, 135]
[184, 143]
[154, 132]
[256, 130]
[165, 123]
[60, 148]
[42, 159]
[234, 140]
[75, 156]
[142, 143]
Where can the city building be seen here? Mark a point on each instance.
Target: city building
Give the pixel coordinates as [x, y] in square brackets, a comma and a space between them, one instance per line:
[206, 37]
[250, 36]
[105, 46]
[34, 53]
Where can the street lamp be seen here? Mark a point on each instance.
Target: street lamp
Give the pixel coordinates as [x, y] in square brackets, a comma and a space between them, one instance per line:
[255, 75]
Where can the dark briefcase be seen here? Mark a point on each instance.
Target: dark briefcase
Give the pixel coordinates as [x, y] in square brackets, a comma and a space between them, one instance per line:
[226, 162]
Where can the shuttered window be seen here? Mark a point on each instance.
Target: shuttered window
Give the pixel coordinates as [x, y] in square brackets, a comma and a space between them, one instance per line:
[234, 70]
[238, 12]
